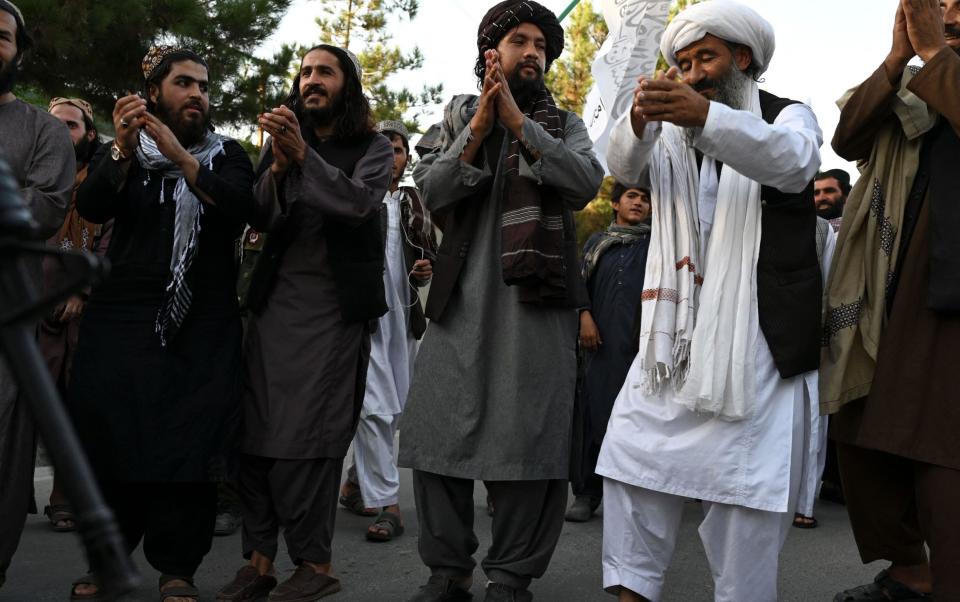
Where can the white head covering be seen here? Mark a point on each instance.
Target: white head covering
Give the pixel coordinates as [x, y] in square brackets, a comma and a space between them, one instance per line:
[726, 19]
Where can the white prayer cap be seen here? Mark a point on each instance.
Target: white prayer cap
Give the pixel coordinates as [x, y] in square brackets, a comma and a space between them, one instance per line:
[726, 19]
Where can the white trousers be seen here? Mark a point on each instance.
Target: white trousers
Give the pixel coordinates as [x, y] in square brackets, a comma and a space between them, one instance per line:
[640, 533]
[815, 454]
[374, 461]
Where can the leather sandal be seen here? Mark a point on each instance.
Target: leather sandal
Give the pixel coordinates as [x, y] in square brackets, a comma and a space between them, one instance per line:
[883, 589]
[388, 522]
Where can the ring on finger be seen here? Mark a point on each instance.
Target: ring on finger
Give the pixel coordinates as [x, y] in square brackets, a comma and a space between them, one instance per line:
[124, 123]
[283, 129]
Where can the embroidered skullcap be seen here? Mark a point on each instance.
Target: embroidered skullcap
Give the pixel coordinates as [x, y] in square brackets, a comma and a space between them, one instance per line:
[394, 127]
[725, 19]
[157, 55]
[79, 103]
[507, 15]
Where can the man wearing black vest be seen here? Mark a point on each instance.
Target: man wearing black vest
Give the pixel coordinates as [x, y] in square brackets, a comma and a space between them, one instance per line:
[889, 373]
[714, 406]
[316, 289]
[492, 392]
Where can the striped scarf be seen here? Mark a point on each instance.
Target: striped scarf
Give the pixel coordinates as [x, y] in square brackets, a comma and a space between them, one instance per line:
[186, 232]
[532, 226]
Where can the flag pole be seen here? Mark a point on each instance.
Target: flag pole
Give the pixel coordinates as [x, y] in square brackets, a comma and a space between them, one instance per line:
[567, 10]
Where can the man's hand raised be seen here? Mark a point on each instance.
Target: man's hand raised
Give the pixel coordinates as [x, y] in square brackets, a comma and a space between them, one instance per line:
[924, 26]
[664, 98]
[486, 114]
[128, 116]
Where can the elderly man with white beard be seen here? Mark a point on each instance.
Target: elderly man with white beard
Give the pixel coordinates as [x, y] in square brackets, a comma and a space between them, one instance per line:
[714, 404]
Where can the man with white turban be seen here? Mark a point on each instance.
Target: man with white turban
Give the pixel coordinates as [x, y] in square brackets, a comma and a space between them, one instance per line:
[714, 406]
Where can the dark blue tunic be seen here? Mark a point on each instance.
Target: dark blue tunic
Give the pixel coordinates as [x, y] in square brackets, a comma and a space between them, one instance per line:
[614, 288]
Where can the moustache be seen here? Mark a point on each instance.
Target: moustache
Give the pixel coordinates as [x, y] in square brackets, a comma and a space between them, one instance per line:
[705, 84]
[193, 105]
[532, 64]
[314, 89]
[950, 30]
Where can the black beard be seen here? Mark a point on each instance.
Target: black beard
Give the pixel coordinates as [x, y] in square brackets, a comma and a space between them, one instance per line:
[323, 117]
[525, 90]
[831, 211]
[188, 132]
[82, 151]
[8, 77]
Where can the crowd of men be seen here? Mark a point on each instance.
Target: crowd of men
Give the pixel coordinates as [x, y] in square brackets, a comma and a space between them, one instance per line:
[693, 349]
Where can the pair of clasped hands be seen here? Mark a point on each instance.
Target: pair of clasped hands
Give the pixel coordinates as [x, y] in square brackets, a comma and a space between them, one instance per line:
[288, 144]
[664, 97]
[130, 115]
[496, 100]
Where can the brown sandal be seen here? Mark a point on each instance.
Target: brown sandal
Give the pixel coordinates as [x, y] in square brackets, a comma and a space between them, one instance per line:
[248, 584]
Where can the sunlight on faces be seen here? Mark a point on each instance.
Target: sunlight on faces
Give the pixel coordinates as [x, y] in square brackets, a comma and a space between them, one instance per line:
[183, 101]
[523, 58]
[632, 207]
[72, 117]
[711, 68]
[321, 80]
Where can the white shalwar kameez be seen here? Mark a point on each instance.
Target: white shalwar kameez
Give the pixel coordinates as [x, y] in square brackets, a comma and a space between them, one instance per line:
[392, 351]
[657, 453]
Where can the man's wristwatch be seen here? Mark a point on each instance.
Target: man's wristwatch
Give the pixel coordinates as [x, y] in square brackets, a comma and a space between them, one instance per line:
[116, 153]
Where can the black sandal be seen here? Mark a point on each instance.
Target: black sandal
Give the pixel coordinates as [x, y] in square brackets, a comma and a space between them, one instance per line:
[883, 589]
[802, 521]
[177, 591]
[353, 502]
[61, 513]
[88, 579]
[386, 521]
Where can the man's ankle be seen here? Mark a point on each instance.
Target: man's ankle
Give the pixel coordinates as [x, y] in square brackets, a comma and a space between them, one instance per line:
[915, 576]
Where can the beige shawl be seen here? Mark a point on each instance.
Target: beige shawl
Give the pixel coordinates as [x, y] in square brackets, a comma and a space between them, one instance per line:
[866, 253]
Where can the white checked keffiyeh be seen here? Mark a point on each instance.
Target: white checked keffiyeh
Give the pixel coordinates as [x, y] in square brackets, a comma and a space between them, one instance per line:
[699, 320]
[186, 231]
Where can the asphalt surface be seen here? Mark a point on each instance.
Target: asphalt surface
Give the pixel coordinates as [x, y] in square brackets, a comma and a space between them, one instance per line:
[814, 565]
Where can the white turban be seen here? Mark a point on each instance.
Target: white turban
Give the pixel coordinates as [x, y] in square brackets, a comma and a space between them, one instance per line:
[728, 20]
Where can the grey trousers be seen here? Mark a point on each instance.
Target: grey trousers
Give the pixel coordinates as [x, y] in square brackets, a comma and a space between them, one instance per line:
[526, 526]
[299, 496]
[16, 467]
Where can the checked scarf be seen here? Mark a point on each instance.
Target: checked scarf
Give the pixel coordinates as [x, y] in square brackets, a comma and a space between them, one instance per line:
[531, 224]
[614, 235]
[186, 232]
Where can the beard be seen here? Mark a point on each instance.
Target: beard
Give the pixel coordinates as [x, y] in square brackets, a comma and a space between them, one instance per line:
[321, 117]
[831, 211]
[731, 90]
[524, 89]
[82, 150]
[8, 77]
[188, 131]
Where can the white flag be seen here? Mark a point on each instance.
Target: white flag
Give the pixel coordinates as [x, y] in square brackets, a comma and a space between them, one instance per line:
[630, 51]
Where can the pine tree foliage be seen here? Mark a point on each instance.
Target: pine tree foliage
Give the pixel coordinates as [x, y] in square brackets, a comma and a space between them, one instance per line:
[363, 26]
[93, 49]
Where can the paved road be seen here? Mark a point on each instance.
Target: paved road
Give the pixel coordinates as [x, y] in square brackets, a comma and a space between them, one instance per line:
[814, 564]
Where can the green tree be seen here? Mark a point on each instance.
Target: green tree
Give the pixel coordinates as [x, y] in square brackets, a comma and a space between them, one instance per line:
[93, 49]
[570, 79]
[363, 27]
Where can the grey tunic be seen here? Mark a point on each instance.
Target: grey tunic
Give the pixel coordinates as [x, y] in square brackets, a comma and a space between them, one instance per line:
[492, 392]
[305, 366]
[37, 148]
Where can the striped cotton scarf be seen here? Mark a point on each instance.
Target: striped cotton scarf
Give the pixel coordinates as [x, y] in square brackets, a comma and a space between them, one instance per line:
[532, 225]
[186, 232]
